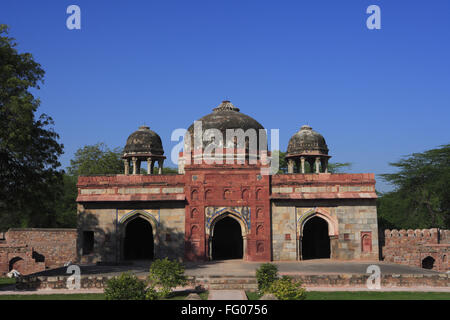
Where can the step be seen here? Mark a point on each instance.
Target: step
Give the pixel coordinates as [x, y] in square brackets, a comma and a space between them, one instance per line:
[232, 286]
[232, 280]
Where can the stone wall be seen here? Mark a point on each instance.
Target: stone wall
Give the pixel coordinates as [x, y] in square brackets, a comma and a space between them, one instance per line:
[412, 247]
[249, 282]
[108, 223]
[37, 249]
[284, 236]
[349, 222]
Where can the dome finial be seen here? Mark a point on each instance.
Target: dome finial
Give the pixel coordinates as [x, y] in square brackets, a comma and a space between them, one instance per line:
[226, 105]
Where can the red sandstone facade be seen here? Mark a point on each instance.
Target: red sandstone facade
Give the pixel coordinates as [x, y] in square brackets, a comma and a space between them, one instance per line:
[428, 248]
[33, 250]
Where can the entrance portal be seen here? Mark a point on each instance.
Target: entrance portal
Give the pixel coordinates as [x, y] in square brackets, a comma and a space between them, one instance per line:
[315, 241]
[227, 242]
[138, 240]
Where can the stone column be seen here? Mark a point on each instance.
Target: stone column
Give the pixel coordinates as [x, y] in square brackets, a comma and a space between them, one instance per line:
[160, 164]
[325, 165]
[126, 164]
[244, 249]
[149, 166]
[134, 161]
[302, 160]
[290, 164]
[299, 248]
[138, 168]
[317, 164]
[209, 247]
[152, 166]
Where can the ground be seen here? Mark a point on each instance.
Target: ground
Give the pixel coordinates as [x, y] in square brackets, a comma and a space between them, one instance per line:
[239, 268]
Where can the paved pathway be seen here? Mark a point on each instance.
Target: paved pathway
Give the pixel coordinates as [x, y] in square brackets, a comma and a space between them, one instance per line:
[247, 268]
[321, 266]
[227, 295]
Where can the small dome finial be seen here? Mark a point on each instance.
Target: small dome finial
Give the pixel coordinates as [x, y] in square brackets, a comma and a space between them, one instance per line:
[305, 127]
[226, 105]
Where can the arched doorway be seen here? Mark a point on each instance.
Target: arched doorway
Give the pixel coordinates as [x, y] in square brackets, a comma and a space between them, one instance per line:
[227, 241]
[315, 240]
[138, 244]
[428, 263]
[17, 264]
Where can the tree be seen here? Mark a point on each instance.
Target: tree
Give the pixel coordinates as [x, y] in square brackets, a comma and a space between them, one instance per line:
[29, 177]
[420, 198]
[96, 159]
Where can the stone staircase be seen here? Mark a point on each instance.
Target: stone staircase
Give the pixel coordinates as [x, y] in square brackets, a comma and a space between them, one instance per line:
[228, 282]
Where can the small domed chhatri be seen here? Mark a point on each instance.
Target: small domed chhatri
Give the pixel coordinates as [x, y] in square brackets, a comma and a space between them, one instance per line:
[310, 146]
[143, 145]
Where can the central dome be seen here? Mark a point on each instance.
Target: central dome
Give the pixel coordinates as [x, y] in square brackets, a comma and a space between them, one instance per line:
[226, 116]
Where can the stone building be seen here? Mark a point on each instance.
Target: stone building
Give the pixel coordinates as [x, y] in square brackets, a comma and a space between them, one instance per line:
[32, 250]
[229, 210]
[427, 248]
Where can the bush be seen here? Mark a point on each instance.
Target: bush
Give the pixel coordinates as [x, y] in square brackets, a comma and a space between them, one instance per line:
[166, 274]
[287, 289]
[125, 287]
[266, 274]
[151, 294]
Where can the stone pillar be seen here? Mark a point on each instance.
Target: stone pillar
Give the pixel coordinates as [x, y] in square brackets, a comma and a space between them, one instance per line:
[244, 248]
[311, 164]
[149, 166]
[138, 168]
[299, 248]
[290, 164]
[325, 165]
[134, 161]
[160, 164]
[317, 164]
[302, 160]
[209, 247]
[152, 166]
[126, 164]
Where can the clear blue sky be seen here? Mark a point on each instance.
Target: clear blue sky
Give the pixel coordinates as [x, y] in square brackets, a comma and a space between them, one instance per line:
[375, 95]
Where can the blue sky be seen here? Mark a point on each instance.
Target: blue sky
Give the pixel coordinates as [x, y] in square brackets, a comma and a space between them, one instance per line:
[375, 95]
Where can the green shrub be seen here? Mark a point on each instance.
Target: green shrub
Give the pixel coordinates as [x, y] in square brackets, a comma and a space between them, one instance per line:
[266, 274]
[166, 274]
[125, 287]
[287, 289]
[151, 294]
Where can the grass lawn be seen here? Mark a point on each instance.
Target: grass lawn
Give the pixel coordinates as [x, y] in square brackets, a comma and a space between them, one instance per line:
[74, 296]
[368, 295]
[6, 281]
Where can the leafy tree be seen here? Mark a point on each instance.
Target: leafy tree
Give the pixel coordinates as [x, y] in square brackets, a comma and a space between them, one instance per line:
[66, 205]
[168, 170]
[420, 198]
[166, 274]
[266, 274]
[338, 167]
[29, 178]
[95, 160]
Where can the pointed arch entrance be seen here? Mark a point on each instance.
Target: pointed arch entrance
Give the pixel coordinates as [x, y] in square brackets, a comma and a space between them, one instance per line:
[138, 239]
[227, 239]
[315, 242]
